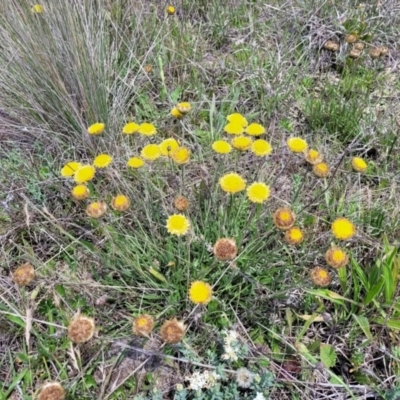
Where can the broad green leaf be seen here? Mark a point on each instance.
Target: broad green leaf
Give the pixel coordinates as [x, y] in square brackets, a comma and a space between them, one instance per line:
[364, 325]
[390, 323]
[328, 355]
[373, 292]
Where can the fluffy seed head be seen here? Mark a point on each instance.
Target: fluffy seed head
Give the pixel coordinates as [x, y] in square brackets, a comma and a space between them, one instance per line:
[225, 249]
[350, 38]
[81, 329]
[354, 53]
[294, 235]
[120, 203]
[336, 258]
[320, 276]
[80, 192]
[284, 218]
[375, 52]
[331, 45]
[96, 209]
[359, 46]
[343, 229]
[181, 203]
[200, 292]
[51, 391]
[172, 331]
[143, 325]
[244, 377]
[24, 274]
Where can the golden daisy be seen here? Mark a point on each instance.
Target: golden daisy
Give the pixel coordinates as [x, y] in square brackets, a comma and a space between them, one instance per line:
[336, 257]
[80, 192]
[143, 325]
[320, 276]
[242, 143]
[343, 229]
[284, 218]
[234, 128]
[84, 174]
[167, 146]
[297, 145]
[96, 128]
[151, 152]
[294, 235]
[200, 292]
[170, 10]
[359, 164]
[102, 161]
[177, 224]
[221, 147]
[24, 274]
[70, 168]
[181, 203]
[184, 107]
[37, 8]
[321, 170]
[81, 329]
[313, 157]
[147, 129]
[258, 192]
[176, 114]
[172, 331]
[261, 148]
[130, 128]
[232, 183]
[225, 249]
[181, 155]
[96, 209]
[255, 129]
[135, 162]
[237, 119]
[52, 391]
[120, 203]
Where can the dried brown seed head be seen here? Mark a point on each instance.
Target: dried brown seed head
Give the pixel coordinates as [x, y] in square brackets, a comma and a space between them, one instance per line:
[320, 276]
[24, 274]
[143, 325]
[52, 391]
[284, 218]
[331, 46]
[96, 209]
[225, 249]
[81, 329]
[181, 203]
[172, 331]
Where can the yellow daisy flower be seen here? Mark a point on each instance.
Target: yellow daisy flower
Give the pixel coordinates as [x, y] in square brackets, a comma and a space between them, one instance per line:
[313, 157]
[178, 224]
[96, 209]
[70, 168]
[343, 229]
[84, 174]
[284, 218]
[120, 203]
[176, 114]
[336, 257]
[167, 146]
[297, 145]
[232, 183]
[170, 10]
[135, 162]
[130, 128]
[181, 155]
[258, 192]
[321, 170]
[242, 143]
[200, 292]
[96, 128]
[237, 119]
[320, 276]
[37, 8]
[147, 129]
[234, 128]
[184, 107]
[143, 325]
[151, 152]
[221, 147]
[102, 161]
[261, 148]
[359, 164]
[294, 235]
[80, 192]
[255, 129]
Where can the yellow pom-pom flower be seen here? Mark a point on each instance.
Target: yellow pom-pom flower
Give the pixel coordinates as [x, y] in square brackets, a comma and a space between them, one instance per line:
[255, 130]
[80, 192]
[151, 152]
[258, 192]
[313, 157]
[120, 203]
[143, 325]
[84, 174]
[135, 162]
[320, 276]
[284, 218]
[96, 209]
[130, 128]
[70, 168]
[221, 147]
[181, 155]
[178, 224]
[297, 145]
[167, 146]
[102, 161]
[234, 128]
[242, 143]
[184, 107]
[232, 183]
[147, 129]
[294, 235]
[237, 119]
[170, 10]
[200, 292]
[336, 257]
[37, 8]
[261, 148]
[343, 229]
[359, 164]
[176, 114]
[321, 170]
[96, 128]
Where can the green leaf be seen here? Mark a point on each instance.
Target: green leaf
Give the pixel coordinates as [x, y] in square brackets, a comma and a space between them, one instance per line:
[390, 323]
[328, 355]
[373, 292]
[176, 94]
[16, 320]
[364, 325]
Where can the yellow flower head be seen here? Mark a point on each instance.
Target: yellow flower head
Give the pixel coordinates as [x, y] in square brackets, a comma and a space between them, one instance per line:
[84, 174]
[320, 276]
[184, 107]
[37, 8]
[96, 209]
[200, 292]
[143, 325]
[81, 329]
[242, 143]
[343, 229]
[151, 152]
[234, 128]
[258, 192]
[221, 147]
[70, 168]
[96, 128]
[135, 162]
[232, 183]
[120, 203]
[130, 128]
[359, 164]
[178, 224]
[336, 258]
[53, 391]
[170, 10]
[237, 119]
[321, 170]
[176, 114]
[24, 274]
[167, 146]
[313, 157]
[181, 155]
[284, 218]
[297, 145]
[102, 161]
[261, 148]
[147, 129]
[255, 129]
[294, 235]
[80, 192]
